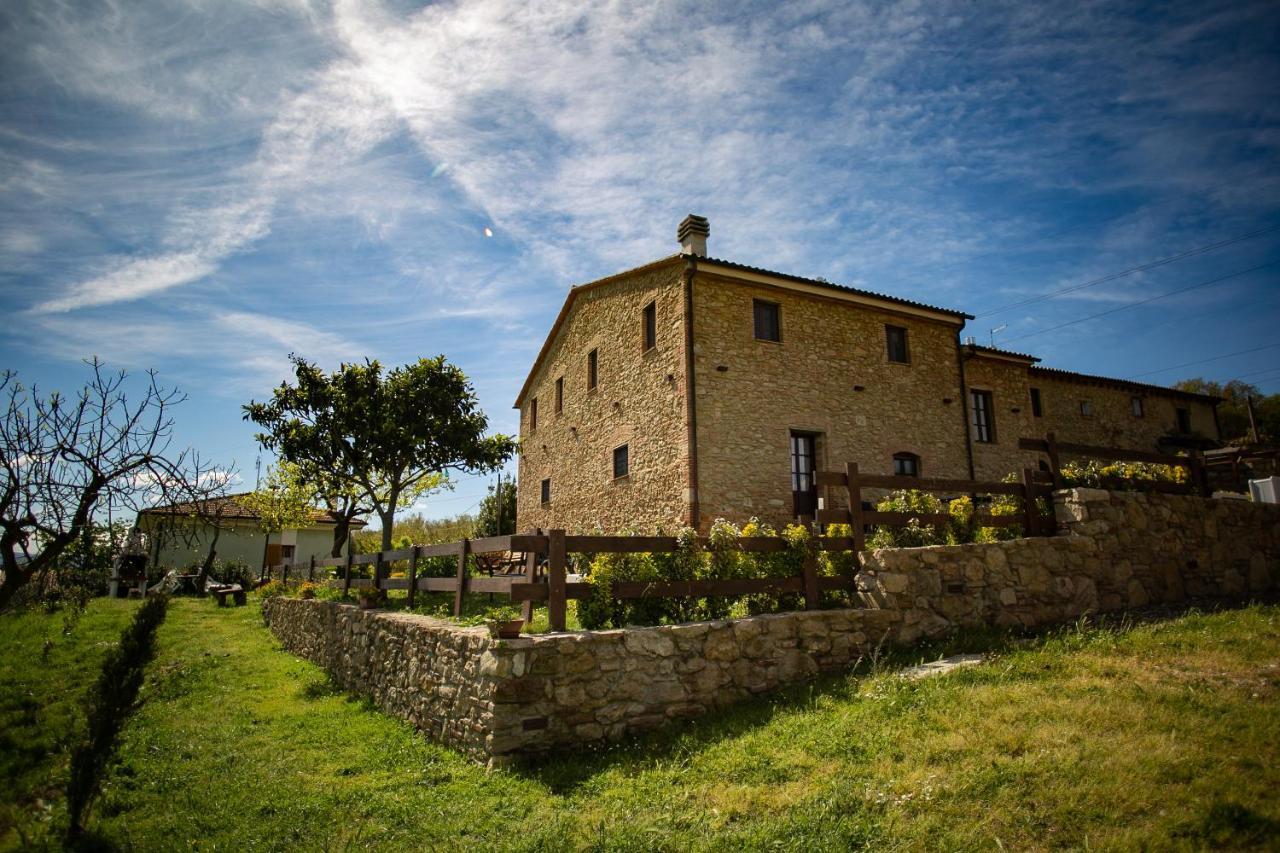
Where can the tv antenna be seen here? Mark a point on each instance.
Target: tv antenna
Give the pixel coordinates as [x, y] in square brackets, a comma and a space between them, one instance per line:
[999, 328]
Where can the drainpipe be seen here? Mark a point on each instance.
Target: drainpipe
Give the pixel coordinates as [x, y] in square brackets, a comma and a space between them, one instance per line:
[964, 403]
[690, 401]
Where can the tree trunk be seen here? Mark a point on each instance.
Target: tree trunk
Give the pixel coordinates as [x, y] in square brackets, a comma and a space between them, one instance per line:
[207, 566]
[341, 530]
[388, 516]
[14, 580]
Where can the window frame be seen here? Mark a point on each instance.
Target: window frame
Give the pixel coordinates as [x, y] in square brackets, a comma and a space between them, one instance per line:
[649, 326]
[776, 308]
[559, 394]
[908, 457]
[1137, 407]
[625, 447]
[1086, 408]
[544, 491]
[1183, 416]
[533, 415]
[1037, 403]
[984, 432]
[593, 370]
[890, 331]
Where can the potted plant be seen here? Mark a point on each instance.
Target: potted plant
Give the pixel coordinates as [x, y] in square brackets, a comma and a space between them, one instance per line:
[504, 622]
[369, 598]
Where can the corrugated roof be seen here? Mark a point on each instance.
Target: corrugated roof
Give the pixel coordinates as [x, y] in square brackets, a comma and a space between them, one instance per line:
[1054, 372]
[817, 282]
[230, 507]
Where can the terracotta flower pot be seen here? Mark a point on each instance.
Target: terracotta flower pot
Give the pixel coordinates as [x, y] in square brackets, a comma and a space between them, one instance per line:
[506, 630]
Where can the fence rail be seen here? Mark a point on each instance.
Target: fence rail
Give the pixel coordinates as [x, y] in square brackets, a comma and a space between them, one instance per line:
[1197, 475]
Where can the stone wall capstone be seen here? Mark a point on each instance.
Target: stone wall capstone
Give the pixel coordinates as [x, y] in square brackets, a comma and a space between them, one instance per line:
[494, 699]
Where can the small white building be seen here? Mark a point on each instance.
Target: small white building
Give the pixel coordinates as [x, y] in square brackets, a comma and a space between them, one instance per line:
[178, 535]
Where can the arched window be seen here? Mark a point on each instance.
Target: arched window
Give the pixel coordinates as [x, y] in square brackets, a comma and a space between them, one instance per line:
[906, 465]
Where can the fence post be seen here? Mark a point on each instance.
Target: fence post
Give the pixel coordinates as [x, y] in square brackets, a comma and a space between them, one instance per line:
[1199, 474]
[1030, 511]
[463, 550]
[530, 575]
[346, 575]
[311, 572]
[556, 598]
[377, 573]
[855, 506]
[285, 575]
[811, 597]
[413, 576]
[1055, 468]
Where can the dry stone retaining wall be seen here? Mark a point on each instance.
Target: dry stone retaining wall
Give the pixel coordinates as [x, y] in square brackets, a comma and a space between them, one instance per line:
[497, 698]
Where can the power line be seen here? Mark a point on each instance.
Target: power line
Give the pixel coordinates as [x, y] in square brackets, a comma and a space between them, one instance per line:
[1146, 301]
[1205, 360]
[1190, 253]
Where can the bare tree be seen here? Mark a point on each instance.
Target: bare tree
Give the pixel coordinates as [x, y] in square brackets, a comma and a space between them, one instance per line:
[67, 458]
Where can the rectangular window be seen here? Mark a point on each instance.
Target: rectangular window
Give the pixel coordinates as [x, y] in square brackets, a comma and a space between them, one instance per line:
[621, 464]
[286, 552]
[1136, 403]
[1086, 408]
[1035, 403]
[896, 339]
[650, 324]
[546, 491]
[559, 395]
[1184, 420]
[533, 414]
[984, 426]
[768, 316]
[906, 465]
[593, 361]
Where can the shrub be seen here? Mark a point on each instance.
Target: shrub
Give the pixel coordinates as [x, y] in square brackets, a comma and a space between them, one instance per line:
[914, 534]
[1093, 473]
[111, 701]
[271, 589]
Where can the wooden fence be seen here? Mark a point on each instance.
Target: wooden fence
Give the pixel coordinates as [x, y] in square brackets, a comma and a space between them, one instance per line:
[1197, 476]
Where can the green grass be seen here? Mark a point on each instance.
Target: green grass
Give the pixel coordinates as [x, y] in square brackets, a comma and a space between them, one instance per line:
[1162, 735]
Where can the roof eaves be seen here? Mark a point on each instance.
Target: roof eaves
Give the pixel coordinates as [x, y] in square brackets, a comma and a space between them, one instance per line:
[1122, 383]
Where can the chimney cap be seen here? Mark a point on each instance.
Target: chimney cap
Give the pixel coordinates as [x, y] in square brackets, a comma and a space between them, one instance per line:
[693, 224]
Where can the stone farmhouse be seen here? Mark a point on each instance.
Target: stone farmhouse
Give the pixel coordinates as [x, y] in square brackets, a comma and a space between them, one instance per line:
[694, 388]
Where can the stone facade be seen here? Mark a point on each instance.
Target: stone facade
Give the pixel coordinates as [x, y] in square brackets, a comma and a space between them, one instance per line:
[830, 376]
[497, 698]
[638, 401]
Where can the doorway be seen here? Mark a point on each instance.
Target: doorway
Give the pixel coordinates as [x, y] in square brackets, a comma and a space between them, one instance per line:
[804, 487]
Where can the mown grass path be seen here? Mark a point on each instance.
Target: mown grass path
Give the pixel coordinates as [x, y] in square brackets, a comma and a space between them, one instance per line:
[1163, 735]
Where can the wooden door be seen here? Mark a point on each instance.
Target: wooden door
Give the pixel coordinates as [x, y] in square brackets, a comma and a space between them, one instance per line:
[804, 489]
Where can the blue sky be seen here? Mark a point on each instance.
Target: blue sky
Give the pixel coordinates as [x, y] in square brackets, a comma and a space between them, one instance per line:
[203, 187]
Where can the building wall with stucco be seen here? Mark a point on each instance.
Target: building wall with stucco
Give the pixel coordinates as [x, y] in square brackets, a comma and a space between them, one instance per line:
[639, 401]
[830, 375]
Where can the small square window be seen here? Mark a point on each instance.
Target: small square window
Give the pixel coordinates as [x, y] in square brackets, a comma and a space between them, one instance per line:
[559, 395]
[1035, 403]
[286, 552]
[768, 319]
[1136, 404]
[546, 490]
[896, 340]
[906, 465]
[533, 414]
[1086, 408]
[593, 367]
[650, 326]
[621, 462]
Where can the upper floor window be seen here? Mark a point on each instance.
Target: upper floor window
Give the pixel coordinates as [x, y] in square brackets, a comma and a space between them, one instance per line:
[1035, 403]
[1136, 404]
[896, 339]
[649, 322]
[593, 365]
[559, 394]
[1184, 420]
[768, 317]
[621, 462]
[983, 413]
[546, 491]
[1086, 408]
[533, 414]
[906, 465]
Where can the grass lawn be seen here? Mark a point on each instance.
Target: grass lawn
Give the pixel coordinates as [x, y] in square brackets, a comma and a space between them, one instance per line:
[1162, 735]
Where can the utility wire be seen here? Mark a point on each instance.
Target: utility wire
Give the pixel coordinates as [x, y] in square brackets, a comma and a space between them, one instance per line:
[1190, 253]
[1205, 360]
[1147, 301]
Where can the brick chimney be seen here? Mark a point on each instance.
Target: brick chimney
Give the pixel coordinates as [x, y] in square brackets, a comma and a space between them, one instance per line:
[693, 234]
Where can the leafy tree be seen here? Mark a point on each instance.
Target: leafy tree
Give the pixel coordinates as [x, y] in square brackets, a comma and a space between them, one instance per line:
[497, 515]
[283, 501]
[385, 435]
[67, 458]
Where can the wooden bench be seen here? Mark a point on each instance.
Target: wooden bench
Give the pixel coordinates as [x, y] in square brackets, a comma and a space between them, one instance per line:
[221, 592]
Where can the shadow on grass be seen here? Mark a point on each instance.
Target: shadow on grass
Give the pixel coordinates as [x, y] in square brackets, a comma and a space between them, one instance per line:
[574, 767]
